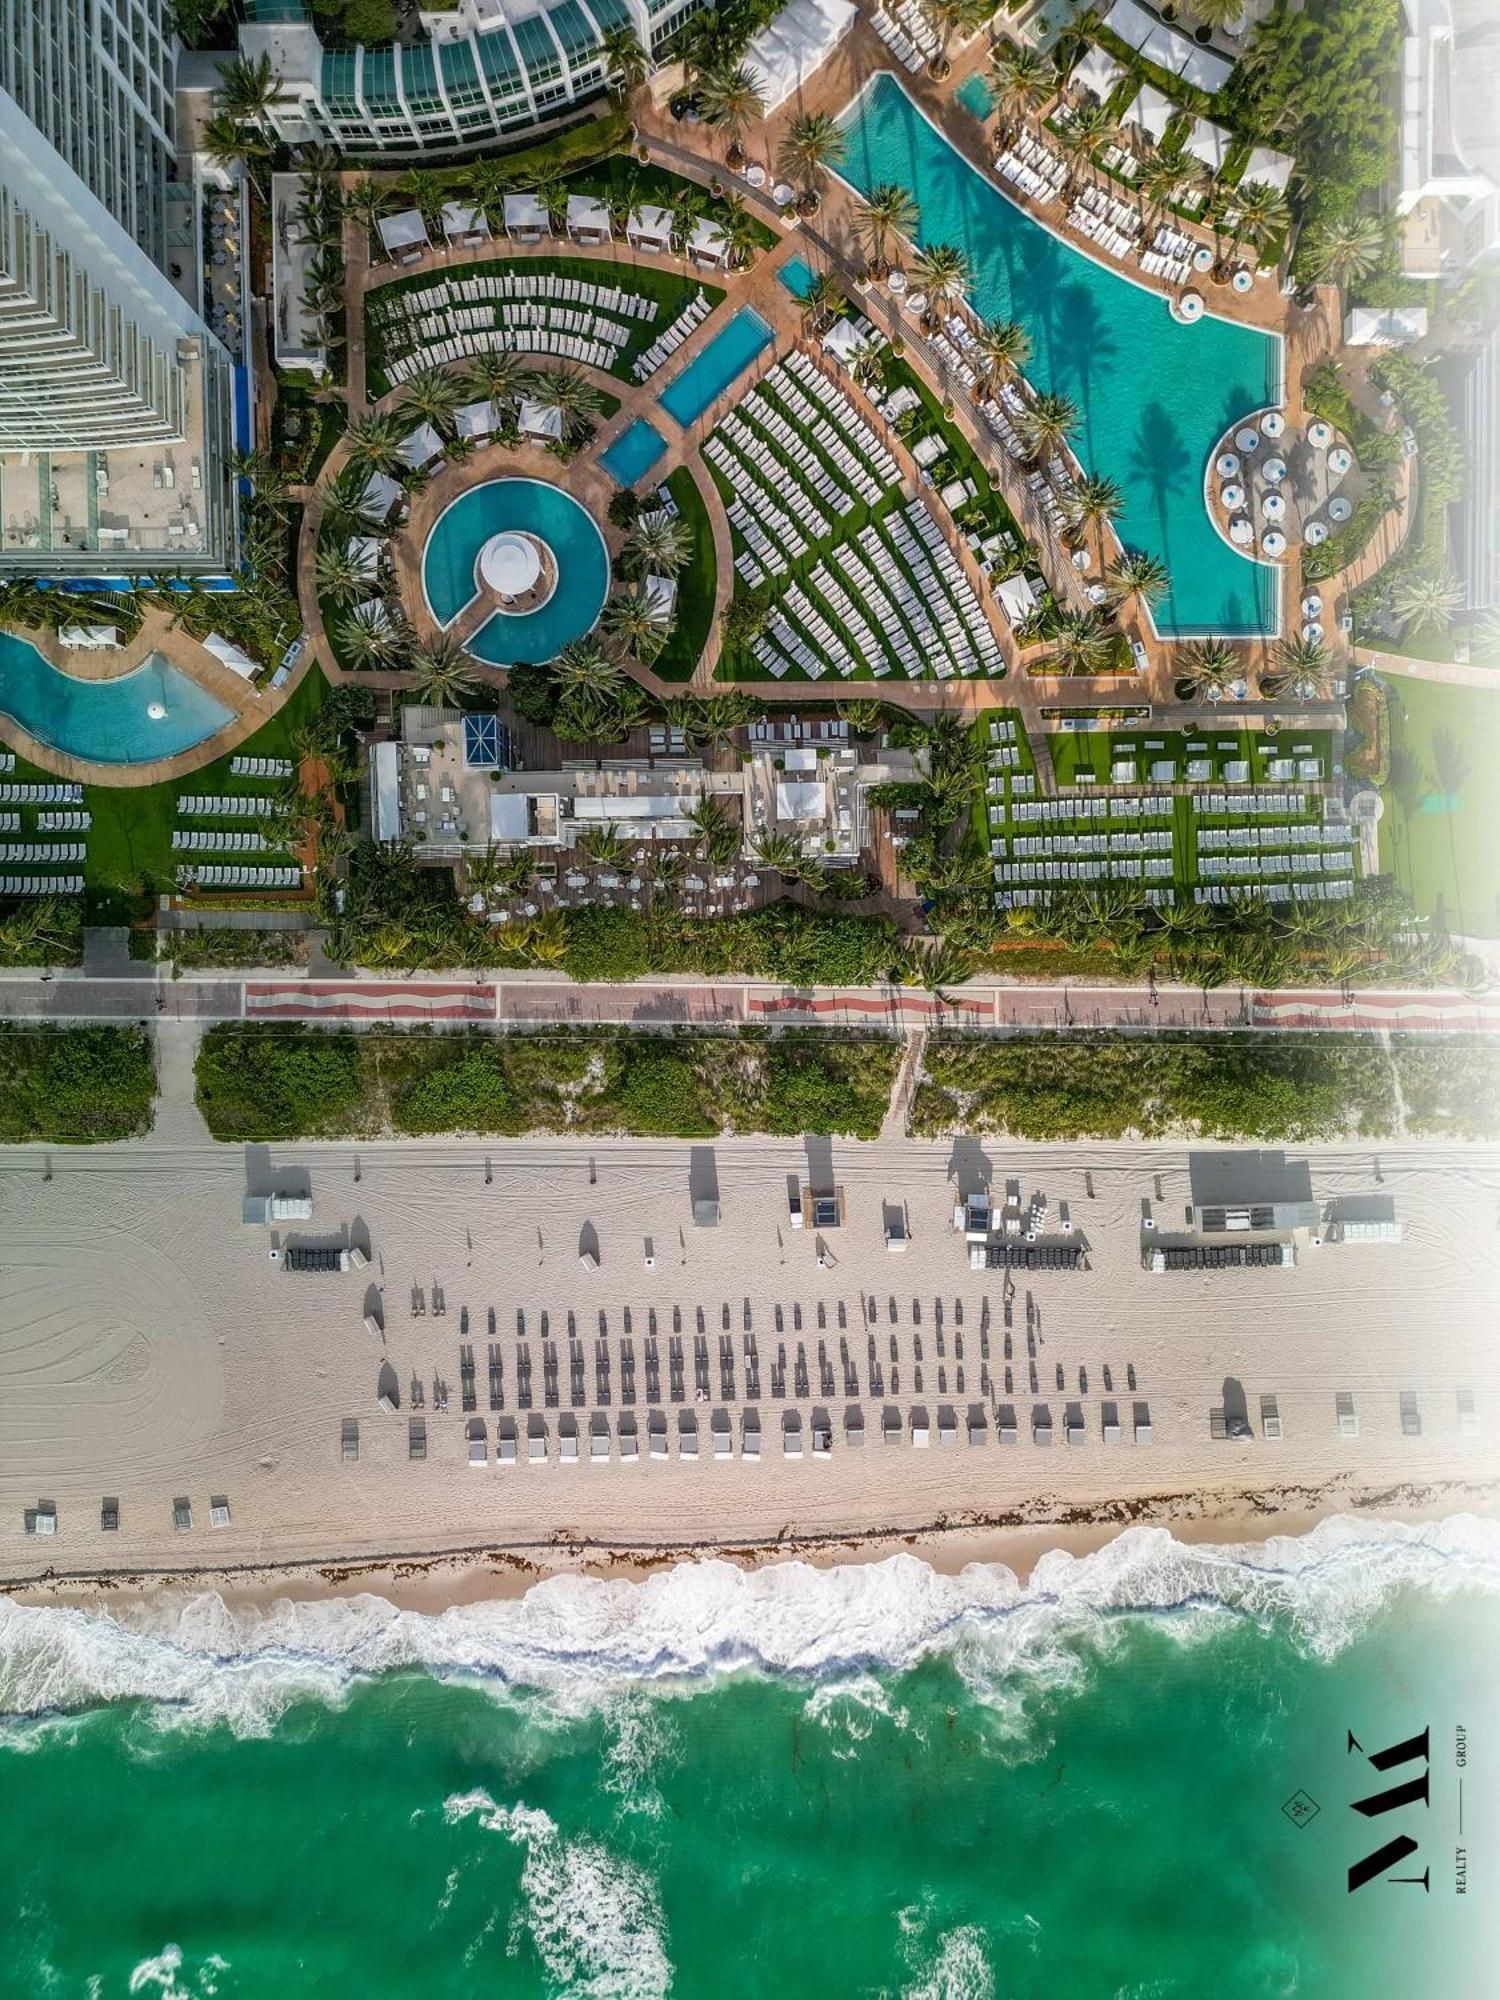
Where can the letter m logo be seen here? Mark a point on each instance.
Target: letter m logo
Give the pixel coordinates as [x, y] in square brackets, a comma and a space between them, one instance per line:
[1408, 1791]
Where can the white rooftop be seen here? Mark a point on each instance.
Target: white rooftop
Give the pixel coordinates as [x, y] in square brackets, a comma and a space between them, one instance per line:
[475, 419]
[801, 38]
[1096, 71]
[586, 211]
[461, 220]
[1270, 168]
[800, 799]
[540, 419]
[1152, 110]
[525, 212]
[1208, 142]
[421, 446]
[401, 231]
[652, 223]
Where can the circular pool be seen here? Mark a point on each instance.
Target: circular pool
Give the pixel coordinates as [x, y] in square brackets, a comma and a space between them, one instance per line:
[500, 519]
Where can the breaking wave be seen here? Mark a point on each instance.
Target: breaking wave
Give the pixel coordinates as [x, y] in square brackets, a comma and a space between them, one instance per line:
[580, 1643]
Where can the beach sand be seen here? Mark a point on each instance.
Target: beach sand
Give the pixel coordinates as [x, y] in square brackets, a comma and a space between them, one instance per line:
[150, 1349]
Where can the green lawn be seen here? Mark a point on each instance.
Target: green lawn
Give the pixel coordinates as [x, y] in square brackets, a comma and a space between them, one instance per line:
[1441, 832]
[695, 586]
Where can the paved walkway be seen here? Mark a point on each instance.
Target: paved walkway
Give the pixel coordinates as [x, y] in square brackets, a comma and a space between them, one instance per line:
[1446, 673]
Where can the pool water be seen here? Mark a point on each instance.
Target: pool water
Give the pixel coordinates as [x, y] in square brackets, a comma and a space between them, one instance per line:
[797, 276]
[974, 95]
[555, 517]
[1153, 396]
[106, 721]
[705, 379]
[633, 452]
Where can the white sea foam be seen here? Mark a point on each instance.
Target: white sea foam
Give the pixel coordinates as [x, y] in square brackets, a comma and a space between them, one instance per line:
[579, 1641]
[959, 1969]
[594, 1920]
[164, 1974]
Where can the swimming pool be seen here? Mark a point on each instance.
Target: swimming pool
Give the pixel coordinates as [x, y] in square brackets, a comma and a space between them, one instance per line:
[796, 276]
[633, 452]
[107, 722]
[705, 379]
[1153, 396]
[974, 95]
[553, 517]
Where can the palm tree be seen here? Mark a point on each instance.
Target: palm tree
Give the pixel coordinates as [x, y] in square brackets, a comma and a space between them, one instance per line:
[1343, 251]
[732, 98]
[345, 514]
[637, 623]
[1426, 599]
[741, 229]
[1301, 669]
[1093, 502]
[428, 192]
[1022, 80]
[814, 141]
[887, 210]
[604, 845]
[1086, 131]
[365, 203]
[1001, 350]
[1047, 426]
[715, 830]
[822, 303]
[1215, 13]
[572, 393]
[375, 442]
[948, 18]
[714, 721]
[1083, 646]
[584, 668]
[1139, 575]
[1164, 179]
[1262, 212]
[368, 636]
[433, 394]
[339, 576]
[779, 851]
[1209, 667]
[626, 64]
[229, 141]
[659, 542]
[440, 672]
[501, 377]
[247, 89]
[944, 273]
[552, 193]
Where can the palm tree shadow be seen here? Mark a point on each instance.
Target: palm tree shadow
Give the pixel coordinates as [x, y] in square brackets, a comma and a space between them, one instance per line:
[1161, 462]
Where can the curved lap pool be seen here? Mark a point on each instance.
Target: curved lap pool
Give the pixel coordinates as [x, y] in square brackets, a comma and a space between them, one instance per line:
[107, 722]
[1153, 396]
[532, 508]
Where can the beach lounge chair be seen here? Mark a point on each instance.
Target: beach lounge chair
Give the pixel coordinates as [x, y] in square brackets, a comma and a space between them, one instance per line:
[947, 1426]
[656, 1434]
[1468, 1416]
[416, 1437]
[791, 1434]
[505, 1441]
[919, 1431]
[722, 1435]
[1005, 1424]
[1041, 1425]
[978, 1428]
[1109, 1423]
[890, 1425]
[630, 1444]
[1270, 1417]
[1142, 1423]
[218, 1511]
[182, 1514]
[1346, 1421]
[567, 1439]
[820, 1431]
[750, 1436]
[599, 1436]
[1411, 1416]
[109, 1514]
[536, 1439]
[349, 1440]
[687, 1434]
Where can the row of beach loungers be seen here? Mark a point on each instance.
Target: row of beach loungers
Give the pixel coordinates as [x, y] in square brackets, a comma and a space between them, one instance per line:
[509, 339]
[41, 885]
[666, 344]
[211, 877]
[60, 822]
[259, 767]
[1317, 891]
[1216, 866]
[1032, 167]
[1111, 224]
[60, 794]
[187, 842]
[1033, 872]
[901, 45]
[572, 317]
[223, 805]
[1069, 846]
[1310, 833]
[41, 854]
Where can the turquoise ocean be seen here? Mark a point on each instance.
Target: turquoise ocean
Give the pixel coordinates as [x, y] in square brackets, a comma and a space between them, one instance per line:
[871, 1780]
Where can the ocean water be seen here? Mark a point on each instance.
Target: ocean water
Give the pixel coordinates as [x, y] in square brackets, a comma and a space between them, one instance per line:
[868, 1781]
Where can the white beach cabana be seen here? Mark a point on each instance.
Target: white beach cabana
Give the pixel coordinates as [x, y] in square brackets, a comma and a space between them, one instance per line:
[588, 219]
[380, 494]
[1209, 143]
[88, 638]
[844, 342]
[661, 597]
[363, 551]
[463, 224]
[1384, 326]
[404, 235]
[475, 420]
[1017, 599]
[1270, 168]
[421, 446]
[230, 655]
[708, 243]
[1095, 71]
[1150, 111]
[801, 38]
[1168, 49]
[542, 421]
[650, 228]
[525, 217]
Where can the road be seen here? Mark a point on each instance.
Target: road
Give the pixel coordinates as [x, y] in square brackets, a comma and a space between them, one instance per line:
[551, 1000]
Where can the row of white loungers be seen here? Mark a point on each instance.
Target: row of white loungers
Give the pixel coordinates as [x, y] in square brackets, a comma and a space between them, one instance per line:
[1306, 833]
[58, 822]
[666, 344]
[1111, 805]
[1277, 892]
[41, 885]
[223, 805]
[186, 841]
[508, 339]
[1217, 866]
[41, 853]
[211, 876]
[60, 794]
[259, 767]
[896, 40]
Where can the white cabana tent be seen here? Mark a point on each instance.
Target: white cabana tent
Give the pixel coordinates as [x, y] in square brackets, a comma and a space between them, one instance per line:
[1017, 599]
[661, 597]
[526, 218]
[1378, 326]
[802, 37]
[421, 446]
[88, 638]
[1168, 49]
[1270, 168]
[364, 552]
[844, 341]
[380, 494]
[1151, 111]
[231, 655]
[404, 235]
[650, 228]
[708, 244]
[475, 420]
[1205, 70]
[588, 219]
[385, 790]
[459, 220]
[540, 420]
[1096, 71]
[1209, 143]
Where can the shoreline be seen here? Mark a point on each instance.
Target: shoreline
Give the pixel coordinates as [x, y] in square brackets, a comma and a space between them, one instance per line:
[430, 1583]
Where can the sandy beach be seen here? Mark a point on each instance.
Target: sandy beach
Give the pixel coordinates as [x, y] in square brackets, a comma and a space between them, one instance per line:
[150, 1349]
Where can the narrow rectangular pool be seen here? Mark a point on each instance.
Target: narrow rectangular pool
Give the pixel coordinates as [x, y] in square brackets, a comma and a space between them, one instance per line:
[796, 276]
[633, 452]
[704, 380]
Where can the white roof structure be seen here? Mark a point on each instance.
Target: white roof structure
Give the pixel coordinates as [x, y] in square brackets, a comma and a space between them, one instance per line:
[801, 38]
[475, 420]
[661, 597]
[381, 494]
[1096, 71]
[88, 638]
[1448, 143]
[510, 564]
[1151, 111]
[1270, 168]
[540, 420]
[801, 800]
[510, 819]
[709, 241]
[588, 216]
[461, 220]
[296, 330]
[650, 225]
[844, 341]
[1166, 48]
[364, 552]
[404, 231]
[1209, 143]
[525, 215]
[421, 446]
[1394, 326]
[1017, 599]
[385, 790]
[237, 661]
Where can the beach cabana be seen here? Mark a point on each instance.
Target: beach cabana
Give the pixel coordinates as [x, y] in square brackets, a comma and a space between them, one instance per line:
[708, 244]
[650, 228]
[1150, 111]
[1095, 71]
[421, 446]
[404, 236]
[661, 601]
[1267, 166]
[541, 421]
[380, 495]
[475, 420]
[844, 342]
[1209, 143]
[800, 40]
[465, 225]
[525, 218]
[230, 655]
[1017, 599]
[1176, 53]
[363, 551]
[89, 638]
[588, 219]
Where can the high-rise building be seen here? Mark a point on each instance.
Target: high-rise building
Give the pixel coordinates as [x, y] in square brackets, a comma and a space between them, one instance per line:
[115, 398]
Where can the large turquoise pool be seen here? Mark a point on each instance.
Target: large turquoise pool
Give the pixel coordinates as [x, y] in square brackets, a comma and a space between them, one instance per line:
[1154, 396]
[705, 378]
[108, 722]
[555, 517]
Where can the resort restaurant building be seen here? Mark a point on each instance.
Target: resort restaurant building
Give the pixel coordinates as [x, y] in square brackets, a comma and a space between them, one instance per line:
[489, 66]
